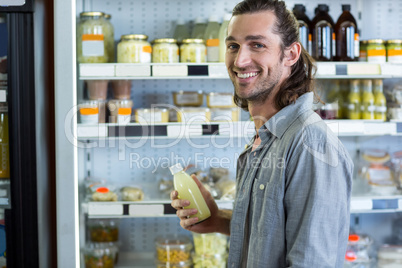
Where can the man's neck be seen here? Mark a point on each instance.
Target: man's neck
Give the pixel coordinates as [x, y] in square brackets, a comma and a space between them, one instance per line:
[263, 111]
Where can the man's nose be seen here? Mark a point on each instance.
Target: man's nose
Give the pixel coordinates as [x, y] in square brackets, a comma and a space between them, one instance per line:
[242, 57]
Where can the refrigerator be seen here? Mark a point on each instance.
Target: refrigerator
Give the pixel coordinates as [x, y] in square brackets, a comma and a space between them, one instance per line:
[27, 199]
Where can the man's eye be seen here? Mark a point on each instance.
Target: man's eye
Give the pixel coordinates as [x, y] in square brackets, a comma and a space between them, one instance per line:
[258, 45]
[232, 46]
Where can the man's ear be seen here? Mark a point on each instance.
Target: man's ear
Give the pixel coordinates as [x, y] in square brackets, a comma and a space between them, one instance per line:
[292, 54]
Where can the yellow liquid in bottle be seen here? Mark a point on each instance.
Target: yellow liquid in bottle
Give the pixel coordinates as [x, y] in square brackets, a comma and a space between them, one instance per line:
[368, 107]
[188, 190]
[380, 103]
[4, 147]
[354, 105]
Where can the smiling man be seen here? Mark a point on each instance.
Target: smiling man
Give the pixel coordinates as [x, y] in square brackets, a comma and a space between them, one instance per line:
[294, 178]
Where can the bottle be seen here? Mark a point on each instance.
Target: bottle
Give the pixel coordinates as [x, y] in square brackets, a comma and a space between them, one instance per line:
[367, 106]
[323, 37]
[304, 26]
[380, 101]
[223, 32]
[199, 28]
[343, 99]
[354, 100]
[188, 190]
[211, 38]
[109, 45]
[4, 145]
[181, 31]
[347, 37]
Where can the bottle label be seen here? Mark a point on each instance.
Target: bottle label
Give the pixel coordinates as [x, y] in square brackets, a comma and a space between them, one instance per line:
[150, 117]
[310, 44]
[324, 40]
[212, 50]
[357, 45]
[93, 45]
[303, 33]
[145, 55]
[333, 45]
[394, 55]
[376, 55]
[350, 43]
[381, 109]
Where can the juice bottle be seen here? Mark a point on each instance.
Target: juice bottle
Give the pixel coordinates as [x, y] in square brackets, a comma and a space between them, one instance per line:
[343, 99]
[367, 106]
[323, 36]
[199, 28]
[4, 145]
[304, 26]
[347, 36]
[354, 100]
[211, 38]
[181, 31]
[223, 32]
[188, 190]
[380, 101]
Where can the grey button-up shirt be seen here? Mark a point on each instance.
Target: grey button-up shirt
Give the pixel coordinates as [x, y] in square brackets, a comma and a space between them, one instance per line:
[293, 194]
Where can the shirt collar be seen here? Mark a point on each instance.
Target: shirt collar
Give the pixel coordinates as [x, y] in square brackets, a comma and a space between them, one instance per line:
[279, 123]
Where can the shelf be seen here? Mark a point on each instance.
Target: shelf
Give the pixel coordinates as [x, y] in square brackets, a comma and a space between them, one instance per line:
[5, 200]
[225, 129]
[325, 70]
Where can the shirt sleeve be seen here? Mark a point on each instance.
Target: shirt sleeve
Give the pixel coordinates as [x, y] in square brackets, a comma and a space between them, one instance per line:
[317, 205]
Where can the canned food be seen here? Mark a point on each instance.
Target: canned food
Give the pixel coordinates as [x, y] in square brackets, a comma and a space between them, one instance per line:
[394, 51]
[376, 51]
[134, 48]
[193, 50]
[165, 50]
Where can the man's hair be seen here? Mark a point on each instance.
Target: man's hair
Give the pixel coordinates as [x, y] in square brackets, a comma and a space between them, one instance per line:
[301, 79]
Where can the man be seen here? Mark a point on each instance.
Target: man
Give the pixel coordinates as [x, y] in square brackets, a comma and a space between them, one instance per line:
[294, 179]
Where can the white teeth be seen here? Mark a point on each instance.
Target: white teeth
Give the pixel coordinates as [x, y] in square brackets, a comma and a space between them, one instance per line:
[246, 75]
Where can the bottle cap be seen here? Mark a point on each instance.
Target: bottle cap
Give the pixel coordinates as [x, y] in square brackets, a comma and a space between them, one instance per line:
[345, 7]
[199, 20]
[176, 168]
[213, 18]
[323, 7]
[227, 16]
[299, 8]
[180, 22]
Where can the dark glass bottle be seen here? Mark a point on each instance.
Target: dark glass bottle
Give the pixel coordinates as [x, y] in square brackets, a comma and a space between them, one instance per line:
[323, 37]
[304, 26]
[347, 36]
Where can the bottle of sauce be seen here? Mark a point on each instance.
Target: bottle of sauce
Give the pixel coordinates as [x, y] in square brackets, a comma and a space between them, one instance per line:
[347, 36]
[181, 31]
[223, 31]
[367, 106]
[354, 100]
[211, 38]
[4, 143]
[199, 28]
[380, 101]
[304, 26]
[323, 36]
[188, 189]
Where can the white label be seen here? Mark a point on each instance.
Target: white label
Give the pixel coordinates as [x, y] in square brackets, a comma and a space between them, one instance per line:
[310, 47]
[213, 54]
[357, 48]
[351, 106]
[184, 99]
[380, 175]
[194, 116]
[395, 59]
[381, 109]
[145, 57]
[220, 100]
[93, 48]
[123, 119]
[371, 108]
[90, 119]
[376, 59]
[150, 117]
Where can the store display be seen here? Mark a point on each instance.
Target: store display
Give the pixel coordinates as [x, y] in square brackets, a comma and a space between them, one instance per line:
[222, 36]
[97, 89]
[322, 28]
[304, 26]
[173, 249]
[394, 51]
[165, 50]
[134, 48]
[200, 25]
[151, 116]
[4, 143]
[194, 114]
[121, 89]
[347, 36]
[181, 31]
[93, 38]
[103, 230]
[188, 98]
[120, 111]
[187, 189]
[220, 100]
[193, 50]
[211, 38]
[99, 255]
[376, 52]
[390, 256]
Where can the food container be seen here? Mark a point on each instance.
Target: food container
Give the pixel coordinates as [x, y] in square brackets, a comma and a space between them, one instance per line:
[210, 244]
[188, 98]
[103, 230]
[212, 261]
[120, 111]
[93, 38]
[97, 89]
[92, 112]
[376, 52]
[99, 255]
[328, 111]
[173, 249]
[390, 256]
[130, 193]
[151, 116]
[134, 48]
[358, 251]
[182, 264]
[394, 51]
[109, 30]
[165, 50]
[220, 100]
[394, 112]
[121, 89]
[363, 50]
[103, 193]
[225, 115]
[193, 114]
[397, 168]
[193, 50]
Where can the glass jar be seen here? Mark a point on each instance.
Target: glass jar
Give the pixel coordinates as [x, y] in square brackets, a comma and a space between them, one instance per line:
[92, 38]
[134, 48]
[394, 51]
[363, 50]
[193, 50]
[110, 38]
[376, 52]
[165, 50]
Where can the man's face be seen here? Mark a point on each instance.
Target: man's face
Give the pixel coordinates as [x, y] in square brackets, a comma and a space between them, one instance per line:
[253, 55]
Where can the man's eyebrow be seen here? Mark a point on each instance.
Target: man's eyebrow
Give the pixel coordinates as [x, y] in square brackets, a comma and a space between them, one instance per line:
[248, 38]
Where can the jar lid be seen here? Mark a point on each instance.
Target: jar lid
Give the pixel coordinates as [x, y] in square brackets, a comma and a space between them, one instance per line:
[193, 41]
[364, 42]
[134, 37]
[108, 16]
[165, 40]
[92, 14]
[394, 41]
[376, 41]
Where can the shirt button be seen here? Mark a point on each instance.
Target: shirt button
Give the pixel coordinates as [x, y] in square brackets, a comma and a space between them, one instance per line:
[262, 186]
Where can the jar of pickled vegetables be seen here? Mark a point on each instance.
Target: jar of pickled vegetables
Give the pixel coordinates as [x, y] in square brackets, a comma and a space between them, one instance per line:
[165, 50]
[110, 38]
[93, 37]
[134, 48]
[376, 51]
[193, 50]
[394, 51]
